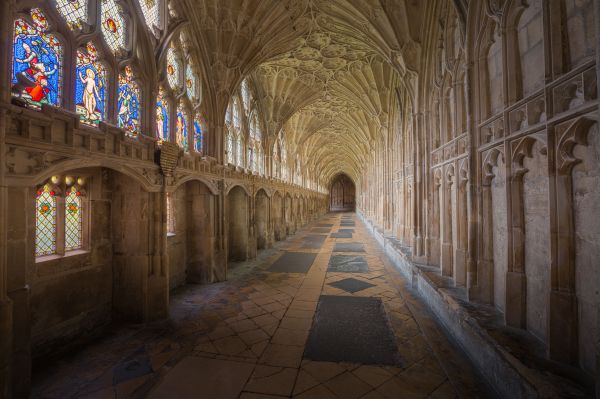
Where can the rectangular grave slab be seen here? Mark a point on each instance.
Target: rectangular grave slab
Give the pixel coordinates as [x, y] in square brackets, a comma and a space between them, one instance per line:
[351, 285]
[293, 262]
[346, 231]
[341, 235]
[349, 247]
[315, 237]
[314, 241]
[321, 230]
[347, 264]
[351, 329]
[325, 225]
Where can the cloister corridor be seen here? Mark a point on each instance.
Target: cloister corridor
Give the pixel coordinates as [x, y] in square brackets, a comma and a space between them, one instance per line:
[268, 332]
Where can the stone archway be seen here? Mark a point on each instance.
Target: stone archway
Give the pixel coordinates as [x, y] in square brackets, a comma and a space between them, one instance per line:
[342, 195]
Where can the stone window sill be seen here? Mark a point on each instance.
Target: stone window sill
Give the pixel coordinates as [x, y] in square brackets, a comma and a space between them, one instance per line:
[49, 258]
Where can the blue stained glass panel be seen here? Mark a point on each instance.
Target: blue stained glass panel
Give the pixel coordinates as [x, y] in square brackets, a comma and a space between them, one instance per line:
[36, 62]
[90, 86]
[197, 135]
[162, 117]
[182, 128]
[128, 103]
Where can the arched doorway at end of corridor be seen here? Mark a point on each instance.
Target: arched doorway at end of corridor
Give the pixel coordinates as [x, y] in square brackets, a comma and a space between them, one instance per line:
[342, 194]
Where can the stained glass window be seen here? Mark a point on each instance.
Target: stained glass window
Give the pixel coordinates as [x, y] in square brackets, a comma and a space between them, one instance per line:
[113, 25]
[90, 86]
[181, 126]
[190, 83]
[36, 63]
[173, 69]
[73, 220]
[198, 134]
[73, 11]
[151, 11]
[128, 103]
[162, 117]
[229, 147]
[45, 222]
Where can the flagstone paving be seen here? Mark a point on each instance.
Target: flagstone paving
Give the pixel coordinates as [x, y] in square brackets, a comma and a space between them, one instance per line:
[246, 338]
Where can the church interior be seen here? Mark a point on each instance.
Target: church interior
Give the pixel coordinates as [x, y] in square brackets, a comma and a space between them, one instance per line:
[261, 199]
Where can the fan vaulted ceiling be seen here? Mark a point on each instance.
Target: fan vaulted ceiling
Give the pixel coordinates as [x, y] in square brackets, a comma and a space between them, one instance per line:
[326, 73]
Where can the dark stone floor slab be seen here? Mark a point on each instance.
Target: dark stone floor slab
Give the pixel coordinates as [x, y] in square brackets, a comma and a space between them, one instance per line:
[347, 224]
[293, 262]
[315, 237]
[347, 264]
[314, 241]
[351, 285]
[325, 225]
[346, 231]
[135, 366]
[351, 329]
[349, 247]
[341, 235]
[321, 230]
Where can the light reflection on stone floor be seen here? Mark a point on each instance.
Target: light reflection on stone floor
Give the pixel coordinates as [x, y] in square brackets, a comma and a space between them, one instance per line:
[245, 339]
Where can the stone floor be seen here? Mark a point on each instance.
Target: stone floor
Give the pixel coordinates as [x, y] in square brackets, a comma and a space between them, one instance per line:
[245, 338]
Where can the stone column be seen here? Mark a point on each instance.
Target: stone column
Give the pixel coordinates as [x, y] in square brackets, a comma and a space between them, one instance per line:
[6, 306]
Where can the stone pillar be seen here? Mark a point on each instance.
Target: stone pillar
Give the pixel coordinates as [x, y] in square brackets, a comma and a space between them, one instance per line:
[516, 285]
[20, 234]
[563, 344]
[6, 305]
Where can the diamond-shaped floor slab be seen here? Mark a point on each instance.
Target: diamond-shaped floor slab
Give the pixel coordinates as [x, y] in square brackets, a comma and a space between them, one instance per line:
[293, 262]
[352, 329]
[347, 264]
[351, 285]
[349, 247]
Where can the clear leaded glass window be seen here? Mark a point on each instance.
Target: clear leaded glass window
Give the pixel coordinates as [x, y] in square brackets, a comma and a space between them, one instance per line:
[245, 94]
[229, 147]
[45, 222]
[151, 11]
[237, 120]
[190, 83]
[73, 11]
[113, 25]
[73, 220]
[240, 152]
[173, 69]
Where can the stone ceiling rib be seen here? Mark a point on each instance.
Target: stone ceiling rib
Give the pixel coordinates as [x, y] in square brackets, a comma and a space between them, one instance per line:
[326, 72]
